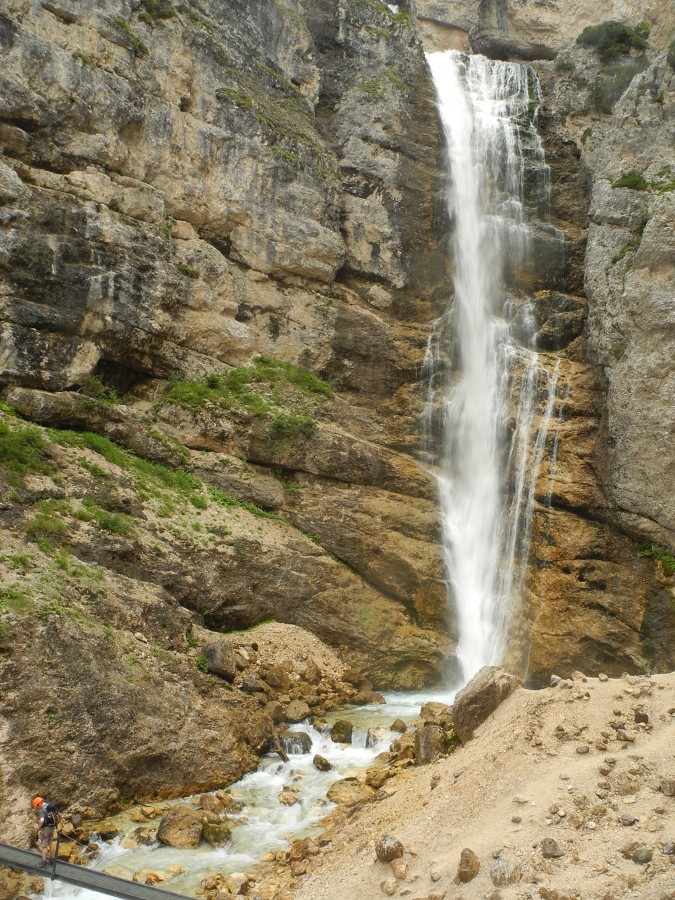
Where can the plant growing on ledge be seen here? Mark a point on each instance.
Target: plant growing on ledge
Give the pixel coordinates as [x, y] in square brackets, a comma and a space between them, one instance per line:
[653, 552]
[290, 424]
[612, 39]
[188, 270]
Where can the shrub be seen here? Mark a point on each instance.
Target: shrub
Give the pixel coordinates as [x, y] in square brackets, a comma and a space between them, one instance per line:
[202, 664]
[291, 424]
[564, 65]
[666, 559]
[612, 39]
[633, 180]
[671, 54]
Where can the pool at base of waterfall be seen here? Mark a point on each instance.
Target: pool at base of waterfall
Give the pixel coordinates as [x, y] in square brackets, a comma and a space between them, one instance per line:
[263, 823]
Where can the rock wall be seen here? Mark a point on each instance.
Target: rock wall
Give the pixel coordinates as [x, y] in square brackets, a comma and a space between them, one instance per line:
[186, 186]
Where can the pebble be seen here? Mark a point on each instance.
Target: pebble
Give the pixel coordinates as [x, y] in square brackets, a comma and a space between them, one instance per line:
[582, 748]
[564, 777]
[641, 715]
[642, 856]
[627, 819]
[387, 847]
[549, 849]
[668, 849]
[622, 735]
[399, 869]
[591, 825]
[602, 677]
[389, 886]
[516, 820]
[668, 787]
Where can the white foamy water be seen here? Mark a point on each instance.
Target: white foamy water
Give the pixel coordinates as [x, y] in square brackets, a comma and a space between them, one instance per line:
[478, 370]
[265, 823]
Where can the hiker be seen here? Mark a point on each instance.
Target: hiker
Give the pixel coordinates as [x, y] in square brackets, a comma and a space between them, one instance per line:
[48, 820]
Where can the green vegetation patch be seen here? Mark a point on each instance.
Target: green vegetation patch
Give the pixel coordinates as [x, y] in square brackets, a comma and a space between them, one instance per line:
[23, 449]
[612, 39]
[114, 522]
[671, 54]
[137, 45]
[260, 388]
[221, 498]
[637, 182]
[286, 116]
[612, 82]
[666, 559]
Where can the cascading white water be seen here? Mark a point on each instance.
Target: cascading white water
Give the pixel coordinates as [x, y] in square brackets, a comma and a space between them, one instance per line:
[485, 108]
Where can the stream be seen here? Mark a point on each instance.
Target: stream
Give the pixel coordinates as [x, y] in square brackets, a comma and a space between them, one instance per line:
[265, 824]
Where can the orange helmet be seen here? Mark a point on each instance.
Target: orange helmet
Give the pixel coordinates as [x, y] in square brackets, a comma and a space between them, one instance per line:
[38, 801]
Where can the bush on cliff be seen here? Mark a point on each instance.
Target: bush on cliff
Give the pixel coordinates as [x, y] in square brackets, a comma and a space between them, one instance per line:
[612, 39]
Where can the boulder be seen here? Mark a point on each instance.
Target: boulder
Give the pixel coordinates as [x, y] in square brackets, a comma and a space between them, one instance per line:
[321, 763]
[217, 835]
[296, 742]
[341, 732]
[429, 744]
[348, 792]
[433, 713]
[181, 827]
[296, 711]
[399, 726]
[388, 848]
[503, 872]
[480, 698]
[469, 864]
[221, 659]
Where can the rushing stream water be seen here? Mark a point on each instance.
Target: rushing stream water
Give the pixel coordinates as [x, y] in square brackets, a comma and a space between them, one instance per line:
[483, 372]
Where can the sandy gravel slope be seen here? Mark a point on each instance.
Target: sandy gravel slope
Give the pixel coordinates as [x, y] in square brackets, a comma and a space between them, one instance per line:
[546, 764]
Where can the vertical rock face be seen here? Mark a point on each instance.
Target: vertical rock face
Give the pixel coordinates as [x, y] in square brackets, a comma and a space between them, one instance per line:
[601, 595]
[187, 186]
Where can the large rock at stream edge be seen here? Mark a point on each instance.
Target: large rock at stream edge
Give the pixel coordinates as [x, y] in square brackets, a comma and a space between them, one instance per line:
[181, 827]
[348, 792]
[221, 659]
[480, 698]
[429, 744]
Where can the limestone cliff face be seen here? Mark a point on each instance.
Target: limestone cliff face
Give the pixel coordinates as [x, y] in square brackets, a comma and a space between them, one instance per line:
[187, 186]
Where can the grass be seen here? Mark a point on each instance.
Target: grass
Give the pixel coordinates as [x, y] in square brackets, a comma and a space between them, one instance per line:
[137, 45]
[234, 388]
[290, 424]
[202, 664]
[48, 520]
[652, 551]
[637, 182]
[612, 39]
[611, 84]
[200, 20]
[114, 522]
[23, 449]
[188, 270]
[221, 498]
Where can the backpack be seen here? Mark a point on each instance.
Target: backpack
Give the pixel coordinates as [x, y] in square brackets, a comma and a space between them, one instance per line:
[52, 815]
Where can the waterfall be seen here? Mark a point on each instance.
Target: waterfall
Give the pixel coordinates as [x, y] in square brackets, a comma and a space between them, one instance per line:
[483, 370]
